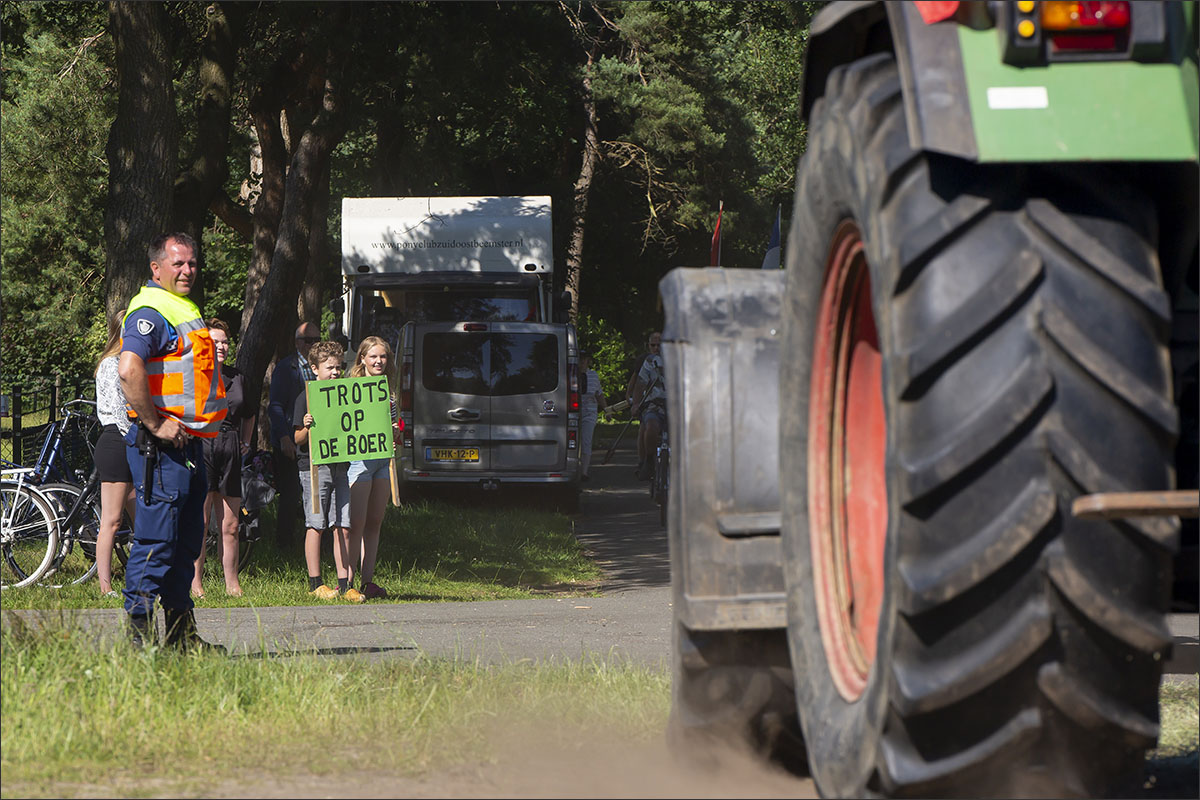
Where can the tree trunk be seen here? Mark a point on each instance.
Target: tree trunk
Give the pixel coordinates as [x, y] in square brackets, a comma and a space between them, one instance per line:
[318, 278]
[196, 185]
[291, 253]
[583, 188]
[267, 111]
[142, 147]
[269, 207]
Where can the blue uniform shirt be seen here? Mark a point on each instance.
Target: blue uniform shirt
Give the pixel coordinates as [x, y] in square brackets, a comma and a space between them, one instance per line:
[148, 334]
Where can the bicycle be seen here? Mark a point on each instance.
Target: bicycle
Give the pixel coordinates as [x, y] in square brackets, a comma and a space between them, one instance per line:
[29, 538]
[79, 528]
[660, 482]
[66, 452]
[57, 476]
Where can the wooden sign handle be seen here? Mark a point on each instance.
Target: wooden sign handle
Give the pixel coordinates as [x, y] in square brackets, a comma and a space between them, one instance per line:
[312, 465]
[316, 489]
[395, 482]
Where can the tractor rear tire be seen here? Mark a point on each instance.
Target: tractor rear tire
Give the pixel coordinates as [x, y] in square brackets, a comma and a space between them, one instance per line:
[973, 347]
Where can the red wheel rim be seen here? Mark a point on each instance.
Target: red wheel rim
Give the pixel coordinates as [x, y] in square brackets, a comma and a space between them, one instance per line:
[847, 487]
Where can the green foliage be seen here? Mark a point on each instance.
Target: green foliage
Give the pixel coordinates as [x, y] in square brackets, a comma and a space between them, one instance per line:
[611, 353]
[227, 257]
[697, 103]
[58, 102]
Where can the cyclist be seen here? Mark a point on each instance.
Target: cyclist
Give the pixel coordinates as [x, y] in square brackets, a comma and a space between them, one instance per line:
[648, 403]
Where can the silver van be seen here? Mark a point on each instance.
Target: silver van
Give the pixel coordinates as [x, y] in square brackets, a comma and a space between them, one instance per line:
[489, 404]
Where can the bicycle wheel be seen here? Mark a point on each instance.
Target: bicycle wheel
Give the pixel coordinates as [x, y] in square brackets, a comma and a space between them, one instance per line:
[662, 483]
[28, 535]
[76, 559]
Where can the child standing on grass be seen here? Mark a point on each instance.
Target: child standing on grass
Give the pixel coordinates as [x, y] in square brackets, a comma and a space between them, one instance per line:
[332, 488]
[370, 480]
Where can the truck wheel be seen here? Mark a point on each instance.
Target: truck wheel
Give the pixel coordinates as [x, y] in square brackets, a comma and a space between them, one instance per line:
[975, 346]
[732, 689]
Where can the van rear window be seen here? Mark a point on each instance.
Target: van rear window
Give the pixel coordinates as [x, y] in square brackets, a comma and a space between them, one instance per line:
[490, 364]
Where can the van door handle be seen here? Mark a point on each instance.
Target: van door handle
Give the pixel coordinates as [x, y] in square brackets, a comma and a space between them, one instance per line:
[463, 414]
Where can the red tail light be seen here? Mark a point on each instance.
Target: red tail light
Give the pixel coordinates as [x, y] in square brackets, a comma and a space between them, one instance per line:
[1084, 16]
[573, 387]
[1086, 26]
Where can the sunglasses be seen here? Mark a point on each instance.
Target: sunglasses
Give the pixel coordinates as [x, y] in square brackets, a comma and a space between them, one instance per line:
[308, 339]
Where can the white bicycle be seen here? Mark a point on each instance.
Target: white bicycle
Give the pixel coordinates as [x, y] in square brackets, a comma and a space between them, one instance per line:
[28, 529]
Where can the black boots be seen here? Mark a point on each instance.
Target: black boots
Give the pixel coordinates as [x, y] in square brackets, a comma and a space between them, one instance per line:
[182, 633]
[141, 631]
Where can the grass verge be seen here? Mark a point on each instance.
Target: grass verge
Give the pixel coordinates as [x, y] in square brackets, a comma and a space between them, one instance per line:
[72, 713]
[155, 723]
[428, 551]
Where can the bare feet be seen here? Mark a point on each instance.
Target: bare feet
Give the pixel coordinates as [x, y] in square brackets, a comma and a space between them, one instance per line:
[235, 591]
[198, 592]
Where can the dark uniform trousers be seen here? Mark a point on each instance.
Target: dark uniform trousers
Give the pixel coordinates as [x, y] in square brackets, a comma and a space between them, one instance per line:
[168, 531]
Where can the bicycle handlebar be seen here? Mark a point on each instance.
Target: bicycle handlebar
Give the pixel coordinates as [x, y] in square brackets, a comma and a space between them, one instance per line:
[67, 411]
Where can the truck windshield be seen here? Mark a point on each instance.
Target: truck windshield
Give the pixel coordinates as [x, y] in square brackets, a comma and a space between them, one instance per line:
[490, 364]
[384, 312]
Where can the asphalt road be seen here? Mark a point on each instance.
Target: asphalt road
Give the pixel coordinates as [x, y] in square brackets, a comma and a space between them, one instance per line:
[618, 526]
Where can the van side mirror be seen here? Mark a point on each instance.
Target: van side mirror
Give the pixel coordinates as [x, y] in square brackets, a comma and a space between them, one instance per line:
[338, 306]
[335, 334]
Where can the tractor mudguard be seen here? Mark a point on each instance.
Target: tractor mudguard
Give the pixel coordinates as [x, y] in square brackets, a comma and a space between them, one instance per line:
[721, 351]
[967, 95]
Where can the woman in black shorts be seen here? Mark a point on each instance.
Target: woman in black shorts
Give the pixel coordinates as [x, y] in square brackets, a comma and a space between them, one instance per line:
[116, 484]
[223, 462]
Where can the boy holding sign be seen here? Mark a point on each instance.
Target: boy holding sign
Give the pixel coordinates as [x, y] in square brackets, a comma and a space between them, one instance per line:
[325, 488]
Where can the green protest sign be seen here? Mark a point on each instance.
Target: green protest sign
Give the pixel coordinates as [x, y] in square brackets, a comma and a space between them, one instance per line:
[352, 419]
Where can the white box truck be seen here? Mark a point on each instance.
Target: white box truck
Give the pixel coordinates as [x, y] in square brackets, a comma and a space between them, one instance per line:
[426, 259]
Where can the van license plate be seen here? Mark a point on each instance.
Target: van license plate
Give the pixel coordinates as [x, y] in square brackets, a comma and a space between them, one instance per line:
[451, 453]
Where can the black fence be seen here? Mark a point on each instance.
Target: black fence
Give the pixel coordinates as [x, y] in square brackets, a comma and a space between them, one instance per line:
[28, 406]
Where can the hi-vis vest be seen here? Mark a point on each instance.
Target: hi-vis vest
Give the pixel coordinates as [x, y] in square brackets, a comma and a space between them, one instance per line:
[185, 384]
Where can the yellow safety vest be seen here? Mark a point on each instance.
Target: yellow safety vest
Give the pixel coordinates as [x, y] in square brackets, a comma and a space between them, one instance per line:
[185, 384]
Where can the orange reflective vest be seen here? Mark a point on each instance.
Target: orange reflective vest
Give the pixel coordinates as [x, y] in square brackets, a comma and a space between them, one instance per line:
[185, 384]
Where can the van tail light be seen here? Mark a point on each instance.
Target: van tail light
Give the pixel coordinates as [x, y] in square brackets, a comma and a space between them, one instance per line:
[572, 439]
[573, 388]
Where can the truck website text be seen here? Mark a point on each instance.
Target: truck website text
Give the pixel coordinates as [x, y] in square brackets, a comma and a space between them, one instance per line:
[455, 243]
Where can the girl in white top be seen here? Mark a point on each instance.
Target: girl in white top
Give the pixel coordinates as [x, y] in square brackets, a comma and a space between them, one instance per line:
[371, 480]
[116, 482]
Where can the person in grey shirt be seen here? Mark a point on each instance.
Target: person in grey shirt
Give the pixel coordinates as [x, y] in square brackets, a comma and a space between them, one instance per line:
[287, 383]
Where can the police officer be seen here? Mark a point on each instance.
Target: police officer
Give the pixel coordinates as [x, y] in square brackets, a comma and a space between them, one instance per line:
[169, 375]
